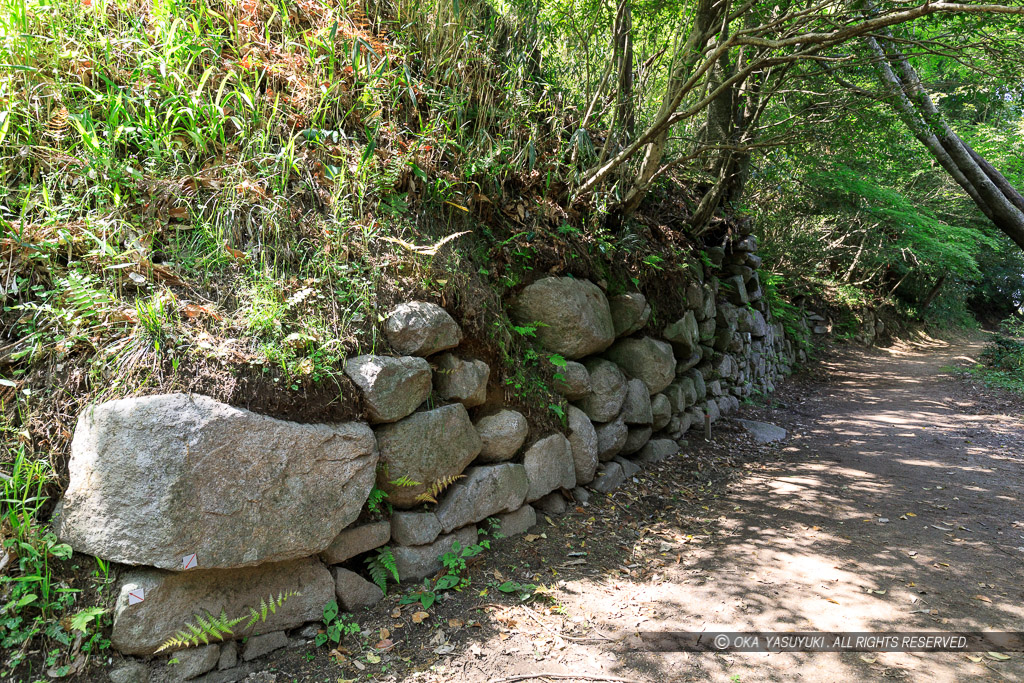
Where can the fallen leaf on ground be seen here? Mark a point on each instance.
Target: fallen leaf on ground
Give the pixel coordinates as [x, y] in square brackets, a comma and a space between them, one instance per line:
[983, 598]
[998, 656]
[418, 617]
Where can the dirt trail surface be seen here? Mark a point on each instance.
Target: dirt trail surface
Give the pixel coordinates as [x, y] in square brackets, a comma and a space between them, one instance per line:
[894, 504]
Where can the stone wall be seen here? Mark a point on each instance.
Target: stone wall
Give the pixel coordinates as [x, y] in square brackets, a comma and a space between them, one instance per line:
[217, 507]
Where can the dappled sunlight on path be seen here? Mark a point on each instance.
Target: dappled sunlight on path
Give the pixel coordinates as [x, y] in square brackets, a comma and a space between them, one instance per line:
[887, 509]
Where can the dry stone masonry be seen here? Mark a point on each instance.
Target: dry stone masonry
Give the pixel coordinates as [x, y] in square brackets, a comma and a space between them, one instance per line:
[264, 506]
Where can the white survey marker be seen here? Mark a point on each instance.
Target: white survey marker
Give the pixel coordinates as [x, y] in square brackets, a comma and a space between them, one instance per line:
[189, 561]
[136, 596]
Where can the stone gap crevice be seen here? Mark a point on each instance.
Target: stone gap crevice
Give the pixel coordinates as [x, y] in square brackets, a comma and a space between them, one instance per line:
[148, 473]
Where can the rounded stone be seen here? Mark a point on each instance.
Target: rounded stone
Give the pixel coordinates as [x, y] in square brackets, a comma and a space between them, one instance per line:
[392, 387]
[573, 315]
[501, 435]
[607, 390]
[420, 328]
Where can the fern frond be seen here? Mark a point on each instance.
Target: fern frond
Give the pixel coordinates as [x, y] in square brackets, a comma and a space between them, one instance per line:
[435, 489]
[376, 497]
[404, 480]
[380, 565]
[206, 628]
[268, 606]
[254, 618]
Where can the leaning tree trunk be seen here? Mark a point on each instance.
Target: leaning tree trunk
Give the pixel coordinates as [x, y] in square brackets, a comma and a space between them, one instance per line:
[990, 191]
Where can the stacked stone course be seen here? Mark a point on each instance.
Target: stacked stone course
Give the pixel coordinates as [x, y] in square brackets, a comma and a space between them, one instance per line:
[270, 506]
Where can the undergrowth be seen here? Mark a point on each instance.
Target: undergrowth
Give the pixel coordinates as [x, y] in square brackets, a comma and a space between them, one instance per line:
[1002, 362]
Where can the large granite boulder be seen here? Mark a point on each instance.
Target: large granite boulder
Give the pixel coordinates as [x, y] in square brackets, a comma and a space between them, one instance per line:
[414, 528]
[611, 437]
[735, 290]
[575, 318]
[171, 599]
[583, 442]
[661, 411]
[392, 387]
[657, 450]
[549, 466]
[420, 328]
[501, 435]
[699, 386]
[647, 359]
[420, 561]
[707, 309]
[630, 312]
[635, 440]
[758, 325]
[353, 591]
[609, 477]
[684, 335]
[425, 448]
[636, 409]
[159, 478]
[607, 390]
[485, 491]
[515, 523]
[572, 381]
[356, 540]
[763, 432]
[461, 380]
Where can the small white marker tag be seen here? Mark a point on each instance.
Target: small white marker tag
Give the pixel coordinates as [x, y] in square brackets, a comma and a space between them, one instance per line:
[136, 596]
[189, 561]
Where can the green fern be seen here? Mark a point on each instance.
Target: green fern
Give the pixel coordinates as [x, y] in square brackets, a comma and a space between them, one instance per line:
[210, 628]
[205, 629]
[267, 608]
[380, 565]
[376, 498]
[405, 481]
[84, 302]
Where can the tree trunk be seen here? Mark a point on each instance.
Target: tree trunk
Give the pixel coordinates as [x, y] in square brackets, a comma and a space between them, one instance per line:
[624, 67]
[932, 293]
[685, 59]
[986, 186]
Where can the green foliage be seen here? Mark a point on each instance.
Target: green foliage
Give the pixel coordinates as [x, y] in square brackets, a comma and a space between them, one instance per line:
[454, 577]
[405, 481]
[33, 597]
[1002, 362]
[88, 617]
[207, 627]
[336, 626]
[525, 591]
[380, 565]
[377, 498]
[791, 317]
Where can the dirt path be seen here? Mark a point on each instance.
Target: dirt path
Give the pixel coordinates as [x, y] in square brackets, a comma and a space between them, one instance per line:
[737, 536]
[877, 436]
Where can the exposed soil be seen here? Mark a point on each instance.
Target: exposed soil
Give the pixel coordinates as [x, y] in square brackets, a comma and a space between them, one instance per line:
[893, 505]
